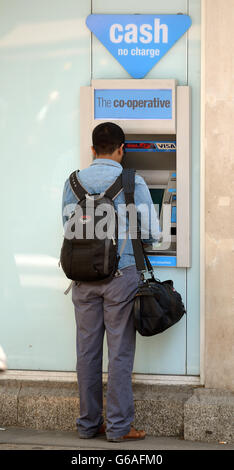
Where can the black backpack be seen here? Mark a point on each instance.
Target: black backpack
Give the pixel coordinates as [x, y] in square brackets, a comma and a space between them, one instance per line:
[84, 255]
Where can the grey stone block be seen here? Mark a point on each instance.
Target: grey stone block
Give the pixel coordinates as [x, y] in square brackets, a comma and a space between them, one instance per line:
[159, 410]
[9, 391]
[197, 414]
[48, 405]
[209, 416]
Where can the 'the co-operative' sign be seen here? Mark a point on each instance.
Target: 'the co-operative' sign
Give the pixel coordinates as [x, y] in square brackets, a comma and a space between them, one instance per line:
[132, 104]
[138, 42]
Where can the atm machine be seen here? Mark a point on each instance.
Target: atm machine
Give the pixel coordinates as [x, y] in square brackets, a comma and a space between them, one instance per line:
[155, 117]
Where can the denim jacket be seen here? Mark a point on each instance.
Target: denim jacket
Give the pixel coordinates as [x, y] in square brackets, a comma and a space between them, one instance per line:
[96, 179]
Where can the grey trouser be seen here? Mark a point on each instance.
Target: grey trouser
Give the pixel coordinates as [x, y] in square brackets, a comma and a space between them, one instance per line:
[99, 307]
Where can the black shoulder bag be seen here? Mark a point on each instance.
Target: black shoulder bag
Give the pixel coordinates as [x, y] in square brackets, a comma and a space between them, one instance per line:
[157, 305]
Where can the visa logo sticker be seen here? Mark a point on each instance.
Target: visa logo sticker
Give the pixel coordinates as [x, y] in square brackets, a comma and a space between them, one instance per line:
[166, 146]
[138, 42]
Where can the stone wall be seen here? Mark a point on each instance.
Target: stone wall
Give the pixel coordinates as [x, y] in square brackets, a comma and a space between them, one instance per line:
[218, 152]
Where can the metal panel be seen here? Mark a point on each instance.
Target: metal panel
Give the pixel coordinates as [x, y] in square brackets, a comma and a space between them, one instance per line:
[172, 65]
[45, 58]
[181, 63]
[183, 180]
[85, 126]
[193, 273]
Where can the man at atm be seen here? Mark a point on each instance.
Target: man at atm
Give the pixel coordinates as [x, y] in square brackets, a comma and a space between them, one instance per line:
[106, 305]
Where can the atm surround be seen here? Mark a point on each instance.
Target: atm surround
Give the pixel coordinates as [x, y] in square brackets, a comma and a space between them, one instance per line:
[157, 146]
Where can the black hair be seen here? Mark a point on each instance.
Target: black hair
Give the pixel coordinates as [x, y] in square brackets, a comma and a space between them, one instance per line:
[107, 137]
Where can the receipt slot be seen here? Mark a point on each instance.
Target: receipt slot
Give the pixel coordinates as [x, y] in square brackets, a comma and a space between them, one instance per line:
[155, 117]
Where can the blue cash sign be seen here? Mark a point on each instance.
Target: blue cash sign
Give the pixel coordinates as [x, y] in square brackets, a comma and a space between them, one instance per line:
[138, 42]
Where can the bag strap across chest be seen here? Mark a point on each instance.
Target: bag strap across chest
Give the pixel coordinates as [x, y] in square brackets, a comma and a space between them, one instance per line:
[128, 187]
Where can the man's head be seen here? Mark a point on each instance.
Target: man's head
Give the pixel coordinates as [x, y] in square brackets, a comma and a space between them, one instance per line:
[108, 141]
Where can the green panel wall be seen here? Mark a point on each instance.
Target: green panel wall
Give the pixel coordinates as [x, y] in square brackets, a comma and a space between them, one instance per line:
[46, 54]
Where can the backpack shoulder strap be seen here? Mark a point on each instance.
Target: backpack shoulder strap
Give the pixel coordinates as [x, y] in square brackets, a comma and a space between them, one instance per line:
[115, 188]
[77, 188]
[125, 179]
[80, 192]
[128, 180]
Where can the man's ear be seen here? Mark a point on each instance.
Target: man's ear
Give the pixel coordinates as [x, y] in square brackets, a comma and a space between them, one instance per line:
[94, 152]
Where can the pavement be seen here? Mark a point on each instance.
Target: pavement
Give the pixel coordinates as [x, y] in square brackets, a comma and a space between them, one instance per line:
[12, 438]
